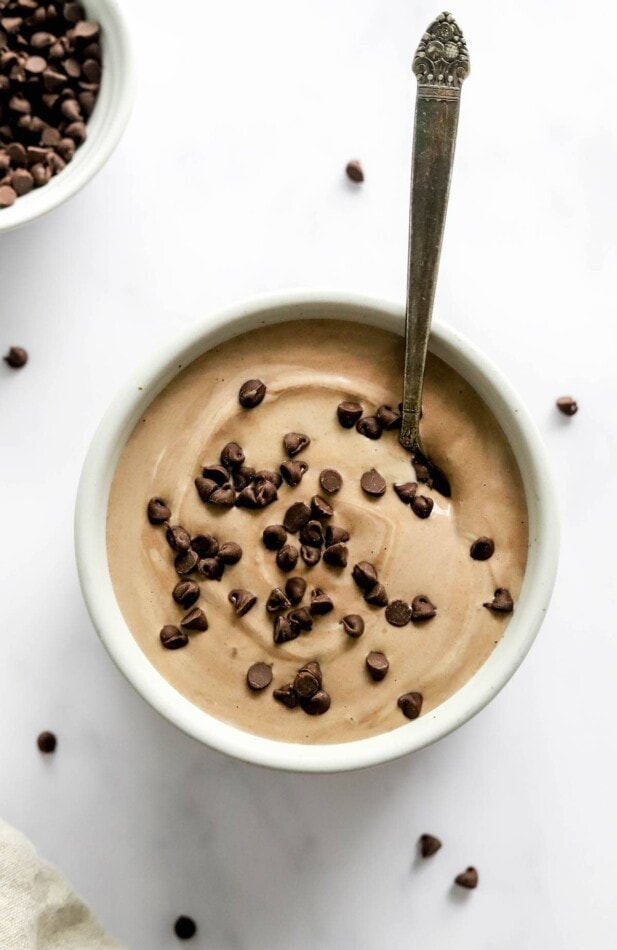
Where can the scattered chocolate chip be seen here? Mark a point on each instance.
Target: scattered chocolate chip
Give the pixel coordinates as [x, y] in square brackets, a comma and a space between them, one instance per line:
[210, 568]
[364, 574]
[185, 562]
[287, 557]
[318, 704]
[295, 442]
[296, 516]
[305, 684]
[422, 506]
[312, 534]
[410, 704]
[406, 492]
[158, 512]
[422, 608]
[195, 620]
[321, 603]
[206, 545]
[431, 474]
[372, 483]
[205, 487]
[283, 630]
[336, 555]
[369, 427]
[251, 393]
[246, 497]
[277, 600]
[377, 665]
[468, 879]
[292, 472]
[225, 496]
[47, 742]
[186, 593]
[567, 405]
[377, 596]
[398, 613]
[217, 473]
[232, 455]
[335, 534]
[429, 845]
[295, 588]
[482, 549]
[353, 625]
[348, 413]
[178, 538]
[502, 601]
[286, 695]
[388, 418]
[320, 508]
[274, 536]
[314, 668]
[16, 357]
[310, 555]
[354, 171]
[264, 491]
[331, 480]
[230, 552]
[268, 476]
[300, 619]
[241, 600]
[172, 638]
[259, 676]
[184, 927]
[243, 476]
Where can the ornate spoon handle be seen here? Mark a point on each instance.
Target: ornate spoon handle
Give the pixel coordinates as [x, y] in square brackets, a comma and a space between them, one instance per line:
[441, 64]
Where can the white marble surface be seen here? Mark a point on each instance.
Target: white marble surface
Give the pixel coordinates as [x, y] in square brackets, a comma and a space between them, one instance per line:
[229, 182]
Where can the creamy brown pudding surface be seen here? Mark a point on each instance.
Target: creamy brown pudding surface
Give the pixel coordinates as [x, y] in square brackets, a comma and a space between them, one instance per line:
[309, 367]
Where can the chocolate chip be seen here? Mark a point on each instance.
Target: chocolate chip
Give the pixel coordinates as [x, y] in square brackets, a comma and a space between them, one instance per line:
[232, 455]
[377, 665]
[259, 676]
[268, 476]
[406, 492]
[567, 405]
[243, 476]
[410, 704]
[8, 197]
[217, 473]
[158, 512]
[313, 667]
[47, 742]
[184, 927]
[286, 695]
[287, 557]
[206, 545]
[305, 684]
[398, 613]
[482, 549]
[300, 619]
[312, 534]
[468, 879]
[321, 603]
[225, 496]
[364, 574]
[292, 472]
[85, 30]
[431, 474]
[377, 596]
[185, 562]
[178, 538]
[422, 506]
[320, 508]
[264, 491]
[274, 536]
[16, 357]
[369, 427]
[353, 625]
[295, 588]
[283, 630]
[172, 638]
[372, 483]
[429, 845]
[317, 704]
[335, 534]
[246, 497]
[296, 517]
[348, 413]
[354, 171]
[230, 552]
[336, 555]
[294, 442]
[195, 620]
[210, 568]
[331, 480]
[186, 593]
[277, 600]
[205, 487]
[422, 608]
[241, 600]
[251, 393]
[310, 555]
[22, 182]
[502, 601]
[388, 418]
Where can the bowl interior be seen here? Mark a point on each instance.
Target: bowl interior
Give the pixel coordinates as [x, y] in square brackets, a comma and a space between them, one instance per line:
[97, 587]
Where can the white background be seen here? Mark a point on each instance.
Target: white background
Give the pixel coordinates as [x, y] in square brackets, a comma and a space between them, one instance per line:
[229, 182]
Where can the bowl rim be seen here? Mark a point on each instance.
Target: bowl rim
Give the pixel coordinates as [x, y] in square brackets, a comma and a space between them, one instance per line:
[90, 533]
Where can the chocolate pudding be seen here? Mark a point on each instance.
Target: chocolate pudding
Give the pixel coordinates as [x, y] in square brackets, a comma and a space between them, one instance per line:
[275, 456]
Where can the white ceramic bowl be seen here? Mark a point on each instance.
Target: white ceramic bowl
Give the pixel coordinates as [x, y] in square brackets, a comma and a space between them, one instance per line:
[105, 125]
[97, 475]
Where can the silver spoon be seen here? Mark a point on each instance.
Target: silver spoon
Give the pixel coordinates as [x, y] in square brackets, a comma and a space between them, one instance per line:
[441, 64]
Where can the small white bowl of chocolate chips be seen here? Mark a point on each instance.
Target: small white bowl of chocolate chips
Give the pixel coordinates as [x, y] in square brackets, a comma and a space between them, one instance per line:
[66, 92]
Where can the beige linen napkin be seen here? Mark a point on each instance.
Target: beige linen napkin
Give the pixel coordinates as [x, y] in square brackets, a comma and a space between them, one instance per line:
[38, 910]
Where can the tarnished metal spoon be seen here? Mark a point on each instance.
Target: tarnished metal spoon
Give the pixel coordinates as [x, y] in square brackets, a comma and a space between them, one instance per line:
[441, 64]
